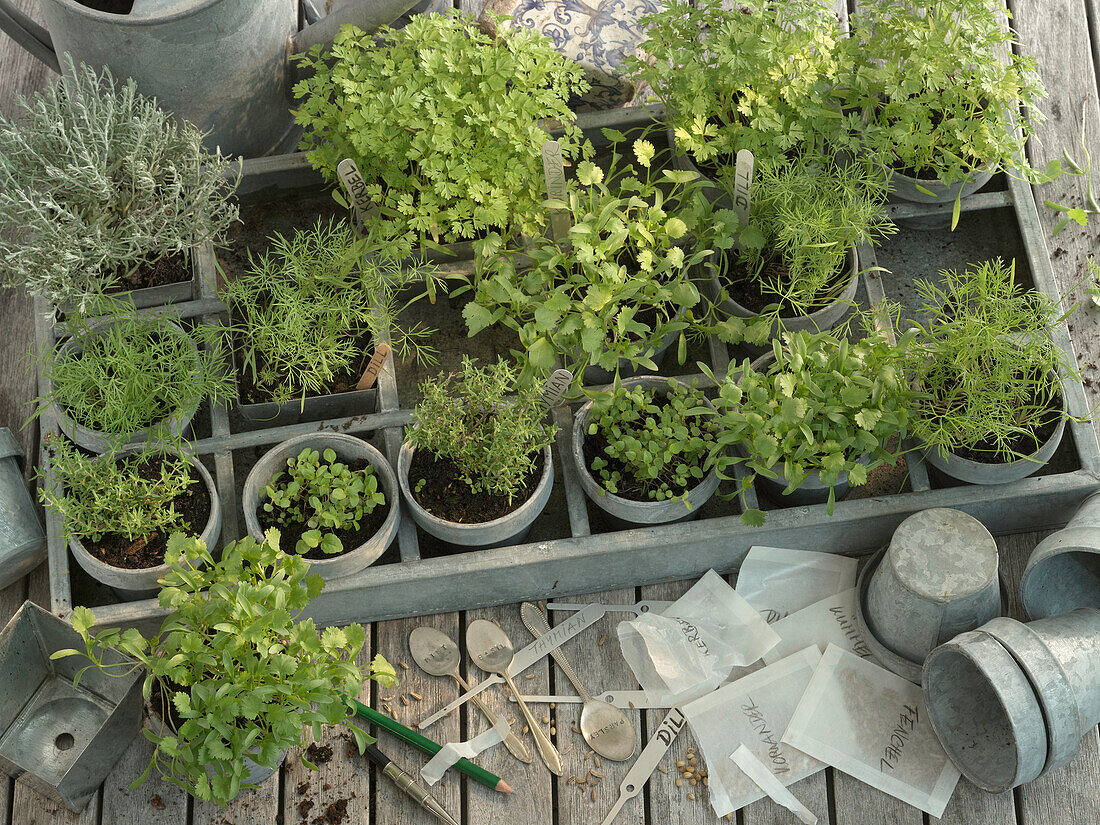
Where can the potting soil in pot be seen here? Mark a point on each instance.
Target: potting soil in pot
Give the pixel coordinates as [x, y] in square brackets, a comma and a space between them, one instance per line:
[291, 532]
[171, 269]
[986, 452]
[447, 496]
[745, 288]
[119, 551]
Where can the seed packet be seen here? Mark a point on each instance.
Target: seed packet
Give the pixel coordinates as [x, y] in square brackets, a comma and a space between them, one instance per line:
[692, 647]
[830, 621]
[777, 581]
[872, 724]
[753, 711]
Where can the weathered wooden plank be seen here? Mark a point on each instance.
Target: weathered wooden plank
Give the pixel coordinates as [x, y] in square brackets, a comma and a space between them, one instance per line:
[667, 802]
[391, 640]
[533, 800]
[341, 784]
[256, 807]
[155, 803]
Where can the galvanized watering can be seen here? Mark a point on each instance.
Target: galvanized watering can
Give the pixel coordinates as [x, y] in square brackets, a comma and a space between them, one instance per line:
[222, 64]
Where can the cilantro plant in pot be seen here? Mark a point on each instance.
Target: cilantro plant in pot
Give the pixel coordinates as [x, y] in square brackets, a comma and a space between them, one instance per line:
[101, 192]
[994, 409]
[118, 510]
[445, 123]
[307, 317]
[814, 415]
[613, 294]
[128, 379]
[757, 76]
[941, 84]
[793, 265]
[333, 497]
[643, 450]
[229, 693]
[476, 467]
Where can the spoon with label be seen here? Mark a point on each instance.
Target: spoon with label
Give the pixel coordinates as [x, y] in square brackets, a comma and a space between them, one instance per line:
[438, 655]
[605, 728]
[491, 648]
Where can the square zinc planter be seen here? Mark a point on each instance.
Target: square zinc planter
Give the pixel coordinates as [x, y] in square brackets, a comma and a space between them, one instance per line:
[62, 740]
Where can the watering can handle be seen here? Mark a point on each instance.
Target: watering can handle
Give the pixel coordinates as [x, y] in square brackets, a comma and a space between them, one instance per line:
[367, 15]
[28, 34]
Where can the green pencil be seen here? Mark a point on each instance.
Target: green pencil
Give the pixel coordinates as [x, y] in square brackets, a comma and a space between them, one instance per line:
[423, 743]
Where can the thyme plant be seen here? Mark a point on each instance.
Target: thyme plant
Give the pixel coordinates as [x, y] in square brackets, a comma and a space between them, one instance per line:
[95, 181]
[824, 405]
[757, 76]
[617, 285]
[662, 444]
[126, 371]
[473, 418]
[97, 495]
[990, 370]
[239, 673]
[445, 122]
[325, 496]
[305, 304]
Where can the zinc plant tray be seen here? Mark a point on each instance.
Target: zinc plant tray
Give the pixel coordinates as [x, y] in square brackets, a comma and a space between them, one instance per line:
[572, 548]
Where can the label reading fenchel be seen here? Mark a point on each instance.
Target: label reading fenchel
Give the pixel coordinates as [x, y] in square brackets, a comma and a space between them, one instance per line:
[553, 166]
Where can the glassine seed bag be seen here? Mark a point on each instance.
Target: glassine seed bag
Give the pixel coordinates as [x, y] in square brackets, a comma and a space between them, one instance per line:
[830, 621]
[871, 724]
[777, 582]
[753, 711]
[691, 647]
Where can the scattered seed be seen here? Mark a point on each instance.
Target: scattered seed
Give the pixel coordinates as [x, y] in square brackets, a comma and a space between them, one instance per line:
[590, 753]
[575, 729]
[679, 783]
[553, 730]
[511, 721]
[404, 700]
[415, 695]
[405, 665]
[729, 816]
[529, 676]
[553, 705]
[596, 761]
[387, 698]
[387, 708]
[546, 720]
[706, 782]
[526, 729]
[567, 750]
[603, 639]
[691, 796]
[571, 780]
[592, 795]
[631, 704]
[662, 769]
[597, 774]
[694, 782]
[680, 764]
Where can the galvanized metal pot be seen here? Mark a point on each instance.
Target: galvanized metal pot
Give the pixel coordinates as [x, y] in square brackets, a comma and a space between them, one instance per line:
[254, 773]
[22, 539]
[221, 64]
[625, 509]
[60, 739]
[169, 429]
[347, 448]
[984, 712]
[936, 579]
[142, 583]
[595, 374]
[508, 529]
[1063, 572]
[905, 188]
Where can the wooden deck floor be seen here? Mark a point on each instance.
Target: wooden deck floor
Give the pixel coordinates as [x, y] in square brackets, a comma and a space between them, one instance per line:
[1065, 36]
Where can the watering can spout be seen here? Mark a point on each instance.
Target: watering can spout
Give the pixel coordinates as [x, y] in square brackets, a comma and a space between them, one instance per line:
[367, 15]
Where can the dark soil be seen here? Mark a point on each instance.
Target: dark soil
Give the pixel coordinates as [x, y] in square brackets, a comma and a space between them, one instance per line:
[318, 754]
[171, 269]
[745, 288]
[445, 495]
[334, 814]
[343, 382]
[109, 6]
[924, 173]
[351, 538]
[629, 486]
[304, 807]
[1025, 444]
[119, 551]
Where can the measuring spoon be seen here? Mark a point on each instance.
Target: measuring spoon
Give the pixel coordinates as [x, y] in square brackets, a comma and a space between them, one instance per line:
[605, 728]
[491, 648]
[438, 655]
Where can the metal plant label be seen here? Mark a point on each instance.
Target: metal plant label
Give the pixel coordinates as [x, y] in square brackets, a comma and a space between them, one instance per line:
[742, 184]
[553, 391]
[356, 187]
[554, 169]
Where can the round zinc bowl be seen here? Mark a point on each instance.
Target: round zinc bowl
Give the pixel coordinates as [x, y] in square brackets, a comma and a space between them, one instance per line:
[142, 583]
[22, 539]
[905, 188]
[347, 448]
[170, 429]
[985, 712]
[511, 528]
[937, 578]
[254, 773]
[598, 375]
[629, 510]
[1063, 572]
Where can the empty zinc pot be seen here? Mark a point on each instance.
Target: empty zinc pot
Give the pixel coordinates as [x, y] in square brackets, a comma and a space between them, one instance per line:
[22, 539]
[509, 529]
[1063, 572]
[985, 712]
[347, 448]
[936, 579]
[932, 191]
[626, 509]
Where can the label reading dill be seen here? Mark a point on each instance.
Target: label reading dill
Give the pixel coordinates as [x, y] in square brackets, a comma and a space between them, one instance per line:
[742, 185]
[553, 166]
[370, 374]
[352, 181]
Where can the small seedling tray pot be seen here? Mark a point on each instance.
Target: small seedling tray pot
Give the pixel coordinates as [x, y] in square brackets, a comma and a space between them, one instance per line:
[573, 547]
[60, 739]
